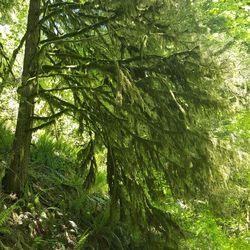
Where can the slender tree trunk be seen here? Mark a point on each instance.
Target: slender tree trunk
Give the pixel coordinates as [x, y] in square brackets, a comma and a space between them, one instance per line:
[16, 176]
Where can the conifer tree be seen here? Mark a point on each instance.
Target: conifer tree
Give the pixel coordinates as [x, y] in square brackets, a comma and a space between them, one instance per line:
[15, 178]
[136, 78]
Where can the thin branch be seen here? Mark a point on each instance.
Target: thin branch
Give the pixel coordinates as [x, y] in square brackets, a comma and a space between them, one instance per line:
[57, 101]
[43, 125]
[69, 88]
[78, 32]
[52, 117]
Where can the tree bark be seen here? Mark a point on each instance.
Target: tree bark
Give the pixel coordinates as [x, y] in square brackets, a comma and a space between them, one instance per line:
[16, 175]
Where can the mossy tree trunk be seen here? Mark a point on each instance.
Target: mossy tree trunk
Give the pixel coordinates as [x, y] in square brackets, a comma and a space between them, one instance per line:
[16, 176]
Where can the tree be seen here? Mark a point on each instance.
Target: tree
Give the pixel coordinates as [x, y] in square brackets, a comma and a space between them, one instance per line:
[136, 78]
[13, 21]
[228, 17]
[16, 176]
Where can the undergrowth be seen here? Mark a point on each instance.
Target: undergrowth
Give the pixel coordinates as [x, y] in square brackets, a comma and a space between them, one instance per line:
[56, 212]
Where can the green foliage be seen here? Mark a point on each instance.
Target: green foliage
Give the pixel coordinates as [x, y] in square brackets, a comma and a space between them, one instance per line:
[149, 94]
[53, 154]
[82, 241]
[143, 95]
[240, 127]
[5, 215]
[230, 17]
[6, 7]
[206, 231]
[58, 213]
[12, 28]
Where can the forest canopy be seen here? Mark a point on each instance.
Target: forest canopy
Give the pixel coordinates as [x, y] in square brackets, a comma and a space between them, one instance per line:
[123, 121]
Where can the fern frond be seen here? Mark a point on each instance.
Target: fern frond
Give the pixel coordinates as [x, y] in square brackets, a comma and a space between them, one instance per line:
[5, 215]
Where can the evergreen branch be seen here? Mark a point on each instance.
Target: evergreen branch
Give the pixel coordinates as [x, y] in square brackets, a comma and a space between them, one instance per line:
[42, 126]
[70, 88]
[57, 101]
[16, 51]
[79, 32]
[52, 117]
[67, 4]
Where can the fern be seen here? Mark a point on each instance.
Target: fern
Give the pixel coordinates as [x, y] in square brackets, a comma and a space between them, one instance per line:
[5, 215]
[82, 240]
[3, 247]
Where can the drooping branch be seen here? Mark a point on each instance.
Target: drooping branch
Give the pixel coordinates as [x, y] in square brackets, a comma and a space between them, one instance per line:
[52, 117]
[78, 32]
[43, 125]
[57, 102]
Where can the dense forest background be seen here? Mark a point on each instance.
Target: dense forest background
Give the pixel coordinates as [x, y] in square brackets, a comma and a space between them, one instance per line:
[124, 124]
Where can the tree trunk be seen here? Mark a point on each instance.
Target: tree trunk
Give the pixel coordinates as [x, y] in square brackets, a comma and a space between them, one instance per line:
[16, 175]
